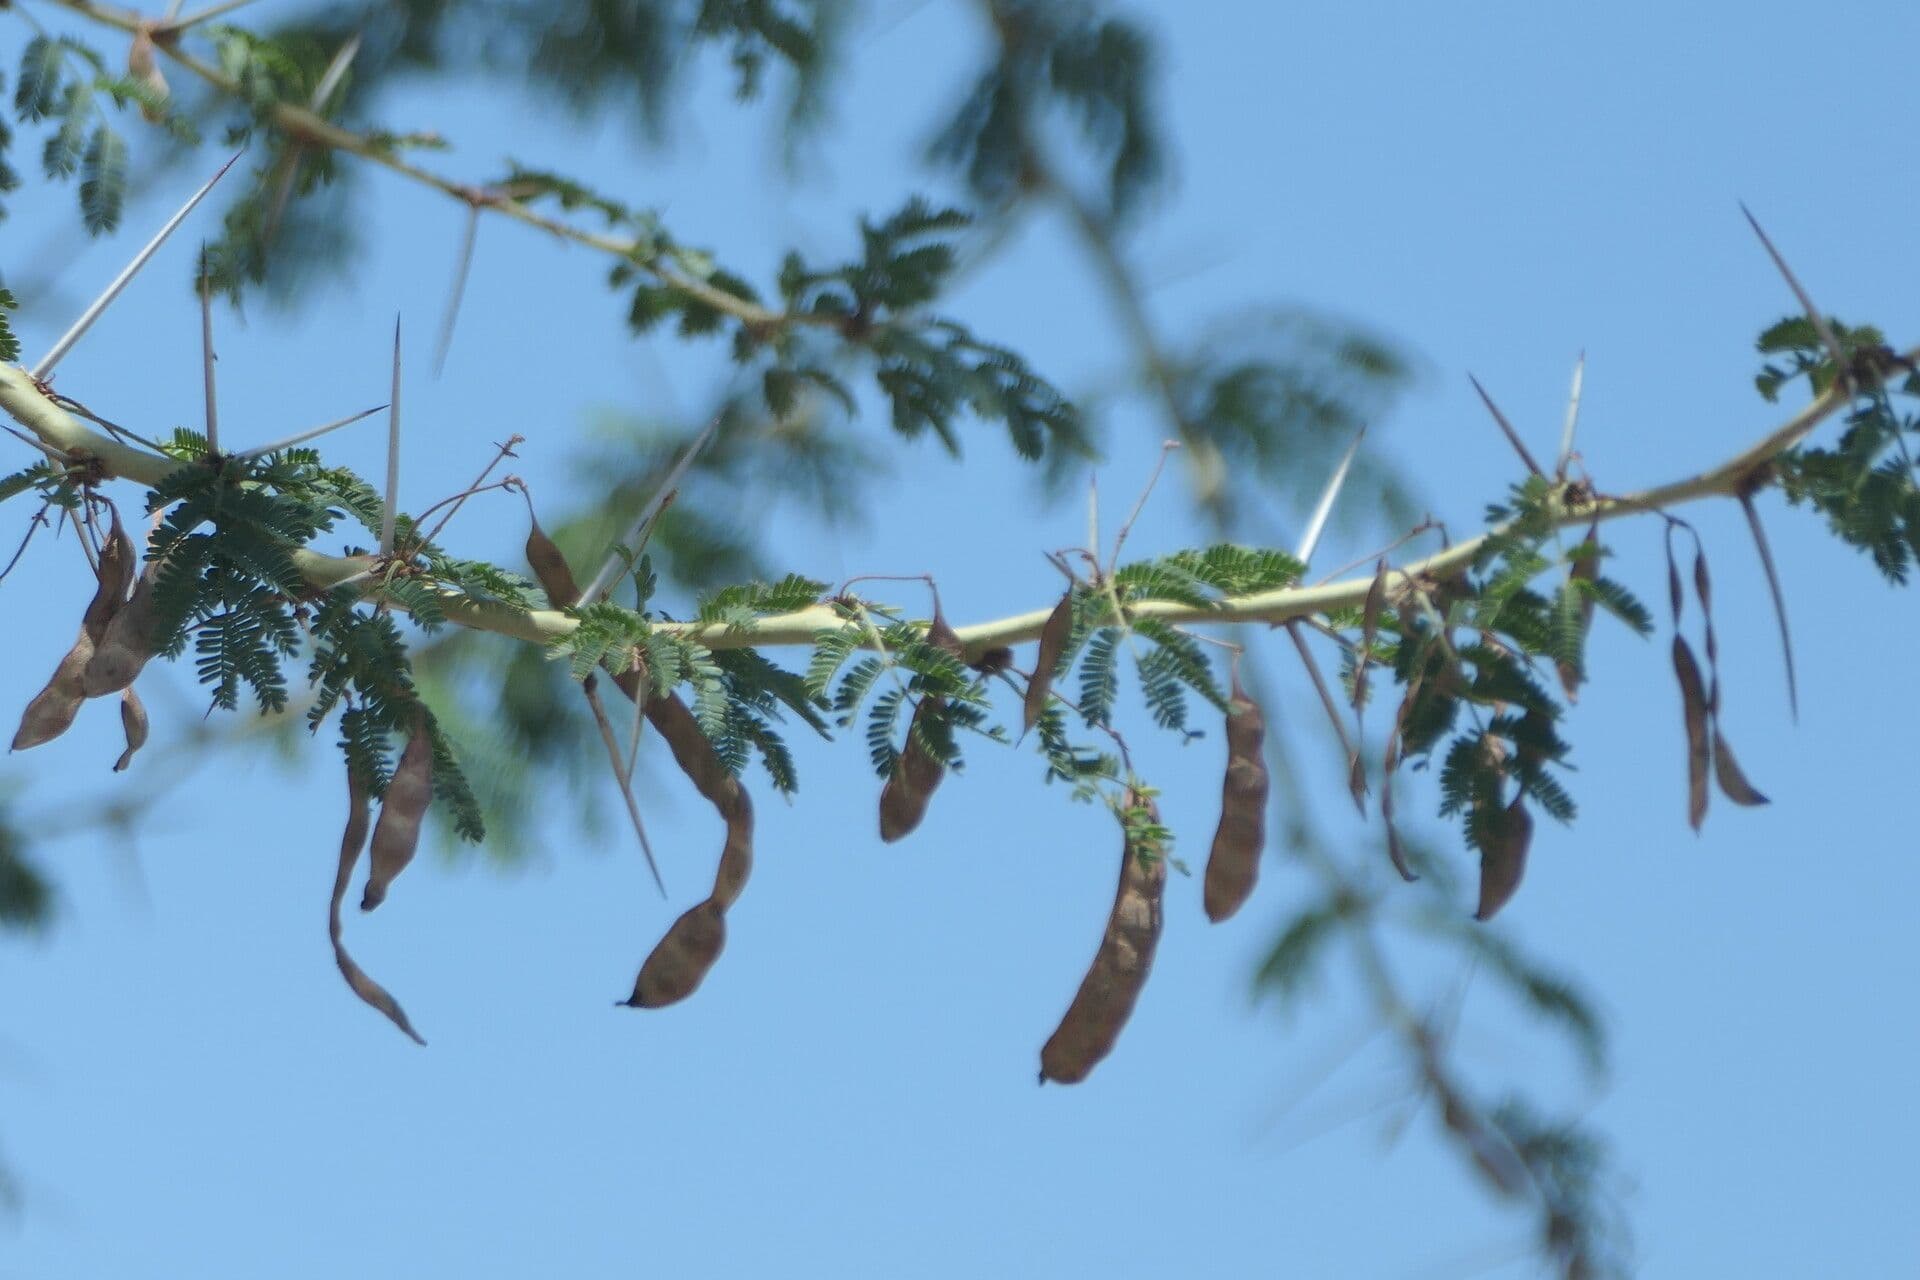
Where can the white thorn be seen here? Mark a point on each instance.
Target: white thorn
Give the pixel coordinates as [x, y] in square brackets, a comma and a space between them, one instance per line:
[1573, 418]
[206, 354]
[1318, 525]
[112, 291]
[391, 508]
[603, 580]
[336, 72]
[304, 436]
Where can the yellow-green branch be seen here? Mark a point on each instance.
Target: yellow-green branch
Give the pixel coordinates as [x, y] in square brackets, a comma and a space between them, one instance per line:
[60, 430]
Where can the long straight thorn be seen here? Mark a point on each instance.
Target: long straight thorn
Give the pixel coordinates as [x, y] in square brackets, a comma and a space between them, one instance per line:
[1565, 457]
[1820, 327]
[390, 510]
[1318, 524]
[463, 267]
[1506, 428]
[79, 327]
[206, 354]
[610, 570]
[302, 437]
[336, 72]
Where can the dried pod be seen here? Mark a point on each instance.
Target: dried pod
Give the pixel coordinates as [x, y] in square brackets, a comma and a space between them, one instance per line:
[1693, 698]
[681, 960]
[397, 834]
[1505, 837]
[126, 641]
[352, 840]
[1107, 994]
[1054, 634]
[145, 69]
[916, 774]
[551, 569]
[1234, 863]
[133, 720]
[53, 709]
[1732, 779]
[1369, 629]
[993, 661]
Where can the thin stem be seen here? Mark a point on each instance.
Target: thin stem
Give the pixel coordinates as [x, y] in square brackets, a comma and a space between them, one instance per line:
[505, 452]
[1126, 527]
[206, 355]
[389, 511]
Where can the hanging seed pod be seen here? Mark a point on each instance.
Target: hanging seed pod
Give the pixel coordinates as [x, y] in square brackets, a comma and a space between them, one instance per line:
[397, 834]
[683, 957]
[143, 68]
[681, 960]
[53, 709]
[1369, 628]
[133, 721]
[1234, 863]
[126, 643]
[1693, 698]
[352, 840]
[916, 774]
[1504, 841]
[1107, 994]
[917, 771]
[550, 568]
[1054, 634]
[1732, 779]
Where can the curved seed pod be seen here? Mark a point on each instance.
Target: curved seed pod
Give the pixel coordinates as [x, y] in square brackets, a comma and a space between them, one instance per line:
[550, 568]
[682, 959]
[352, 840]
[1693, 698]
[1054, 635]
[1234, 863]
[53, 709]
[397, 834]
[1504, 841]
[1731, 777]
[126, 642]
[133, 720]
[1107, 994]
[916, 774]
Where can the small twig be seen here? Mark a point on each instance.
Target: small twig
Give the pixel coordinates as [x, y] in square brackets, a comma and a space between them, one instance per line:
[390, 510]
[1427, 525]
[304, 436]
[610, 570]
[173, 26]
[1126, 527]
[74, 406]
[1506, 428]
[1333, 712]
[505, 452]
[93, 312]
[34, 523]
[625, 780]
[1565, 456]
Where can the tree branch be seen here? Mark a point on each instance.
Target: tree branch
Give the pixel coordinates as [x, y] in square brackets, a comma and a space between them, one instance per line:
[29, 406]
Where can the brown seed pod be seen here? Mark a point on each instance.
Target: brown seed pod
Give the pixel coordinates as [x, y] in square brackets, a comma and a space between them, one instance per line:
[1107, 994]
[551, 569]
[53, 709]
[397, 834]
[682, 959]
[917, 772]
[1234, 863]
[1369, 629]
[352, 840]
[133, 721]
[1504, 840]
[1728, 773]
[144, 68]
[1693, 698]
[1053, 642]
[126, 642]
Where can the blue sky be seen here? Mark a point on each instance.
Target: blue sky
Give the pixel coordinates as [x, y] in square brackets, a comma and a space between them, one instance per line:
[186, 1089]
